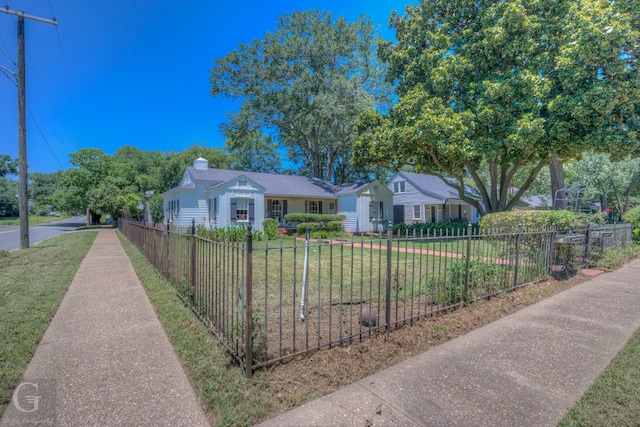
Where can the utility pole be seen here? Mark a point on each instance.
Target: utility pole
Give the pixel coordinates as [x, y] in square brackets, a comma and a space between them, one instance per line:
[23, 179]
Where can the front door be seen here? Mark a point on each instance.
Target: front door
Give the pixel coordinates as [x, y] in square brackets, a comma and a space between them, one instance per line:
[398, 214]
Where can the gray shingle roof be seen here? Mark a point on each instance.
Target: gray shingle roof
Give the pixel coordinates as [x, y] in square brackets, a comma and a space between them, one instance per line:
[352, 187]
[274, 184]
[434, 185]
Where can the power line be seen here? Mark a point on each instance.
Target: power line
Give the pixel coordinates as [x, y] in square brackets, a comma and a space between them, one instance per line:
[66, 69]
[5, 49]
[44, 137]
[35, 101]
[44, 87]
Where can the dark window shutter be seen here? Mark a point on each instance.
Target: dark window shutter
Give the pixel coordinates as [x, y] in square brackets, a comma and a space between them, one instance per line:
[370, 211]
[215, 207]
[320, 207]
[269, 203]
[306, 206]
[252, 210]
[284, 207]
[381, 212]
[232, 209]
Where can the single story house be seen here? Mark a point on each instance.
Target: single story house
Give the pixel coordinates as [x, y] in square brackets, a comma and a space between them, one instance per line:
[425, 198]
[221, 198]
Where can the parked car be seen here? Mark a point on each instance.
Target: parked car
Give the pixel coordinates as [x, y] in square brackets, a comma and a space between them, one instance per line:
[53, 214]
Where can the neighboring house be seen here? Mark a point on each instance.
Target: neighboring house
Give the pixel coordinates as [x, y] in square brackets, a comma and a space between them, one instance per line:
[368, 206]
[535, 201]
[425, 198]
[221, 198]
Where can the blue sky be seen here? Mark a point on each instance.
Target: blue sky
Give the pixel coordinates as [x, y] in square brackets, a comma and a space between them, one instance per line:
[134, 72]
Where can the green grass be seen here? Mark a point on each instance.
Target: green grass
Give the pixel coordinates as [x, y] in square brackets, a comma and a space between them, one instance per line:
[222, 388]
[32, 284]
[614, 399]
[33, 220]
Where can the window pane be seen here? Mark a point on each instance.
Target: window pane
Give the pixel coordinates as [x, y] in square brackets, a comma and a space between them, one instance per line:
[242, 209]
[416, 212]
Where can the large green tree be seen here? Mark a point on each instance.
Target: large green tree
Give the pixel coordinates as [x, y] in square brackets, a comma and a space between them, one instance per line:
[489, 88]
[250, 150]
[175, 162]
[305, 84]
[8, 197]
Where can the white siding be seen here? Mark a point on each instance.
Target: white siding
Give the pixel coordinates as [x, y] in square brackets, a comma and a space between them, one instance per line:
[356, 208]
[347, 205]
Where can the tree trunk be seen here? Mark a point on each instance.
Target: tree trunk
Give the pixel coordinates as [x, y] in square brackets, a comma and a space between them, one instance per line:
[603, 202]
[556, 171]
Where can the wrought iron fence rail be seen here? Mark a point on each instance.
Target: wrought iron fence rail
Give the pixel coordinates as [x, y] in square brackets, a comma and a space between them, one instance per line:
[274, 300]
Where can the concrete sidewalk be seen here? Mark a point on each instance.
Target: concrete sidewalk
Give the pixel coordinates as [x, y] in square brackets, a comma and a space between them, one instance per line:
[105, 359]
[526, 369]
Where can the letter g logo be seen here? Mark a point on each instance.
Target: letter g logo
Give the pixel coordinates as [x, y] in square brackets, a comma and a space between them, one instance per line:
[32, 400]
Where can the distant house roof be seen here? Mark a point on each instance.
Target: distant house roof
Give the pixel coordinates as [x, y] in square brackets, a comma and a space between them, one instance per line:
[536, 201]
[274, 184]
[353, 187]
[433, 185]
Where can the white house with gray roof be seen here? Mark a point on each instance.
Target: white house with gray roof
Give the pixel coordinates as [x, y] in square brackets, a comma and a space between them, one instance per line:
[425, 198]
[221, 198]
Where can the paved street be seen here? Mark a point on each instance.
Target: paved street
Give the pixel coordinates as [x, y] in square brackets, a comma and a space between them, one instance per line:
[10, 235]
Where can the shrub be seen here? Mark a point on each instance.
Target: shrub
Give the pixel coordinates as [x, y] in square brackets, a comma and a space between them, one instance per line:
[434, 228]
[633, 216]
[311, 226]
[335, 226]
[306, 217]
[270, 227]
[227, 234]
[509, 221]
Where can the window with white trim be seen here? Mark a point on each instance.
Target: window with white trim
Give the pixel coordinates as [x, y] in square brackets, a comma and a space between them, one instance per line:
[417, 212]
[313, 207]
[399, 187]
[242, 210]
[276, 209]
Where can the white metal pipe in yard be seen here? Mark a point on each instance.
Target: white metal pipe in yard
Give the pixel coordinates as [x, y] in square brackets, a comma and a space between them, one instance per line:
[304, 278]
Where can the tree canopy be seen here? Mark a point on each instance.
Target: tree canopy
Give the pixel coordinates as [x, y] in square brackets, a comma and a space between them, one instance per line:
[488, 89]
[8, 166]
[304, 85]
[112, 184]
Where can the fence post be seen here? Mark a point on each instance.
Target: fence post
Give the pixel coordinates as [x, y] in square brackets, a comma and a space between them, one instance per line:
[467, 273]
[515, 271]
[192, 294]
[167, 251]
[552, 249]
[248, 346]
[387, 307]
[587, 243]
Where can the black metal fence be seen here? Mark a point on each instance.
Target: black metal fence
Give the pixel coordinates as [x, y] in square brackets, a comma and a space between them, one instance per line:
[272, 300]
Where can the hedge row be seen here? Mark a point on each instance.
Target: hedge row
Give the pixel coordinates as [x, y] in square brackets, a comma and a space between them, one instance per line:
[434, 228]
[307, 217]
[333, 226]
[509, 221]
